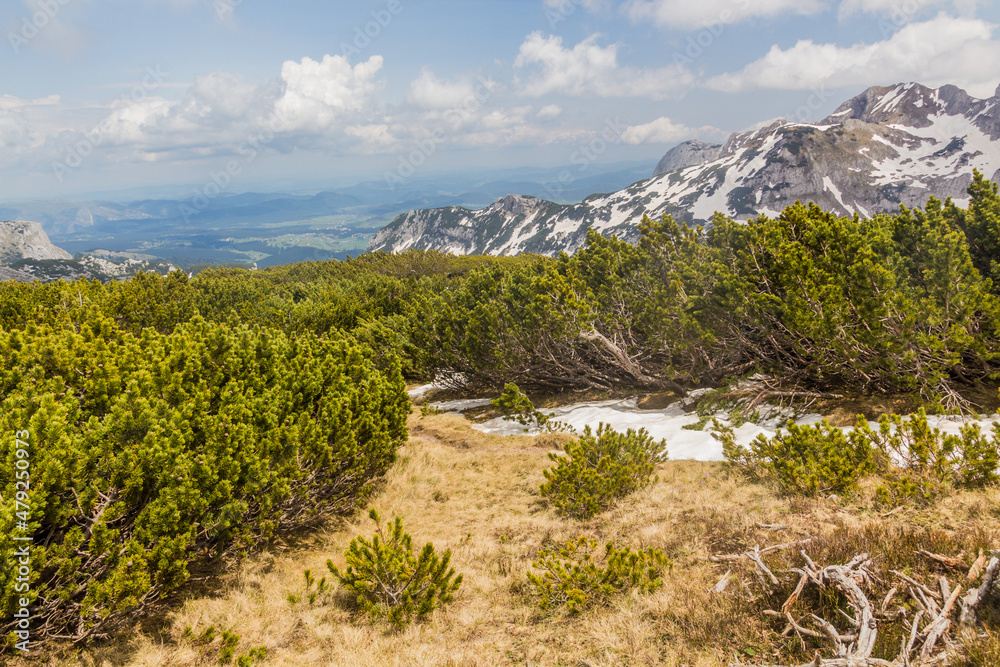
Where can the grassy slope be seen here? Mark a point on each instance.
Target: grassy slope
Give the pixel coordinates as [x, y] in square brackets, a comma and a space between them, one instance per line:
[478, 496]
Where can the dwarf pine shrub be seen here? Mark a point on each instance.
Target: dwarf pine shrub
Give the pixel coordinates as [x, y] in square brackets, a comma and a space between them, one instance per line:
[515, 404]
[578, 575]
[921, 463]
[601, 468]
[151, 452]
[391, 582]
[915, 461]
[809, 460]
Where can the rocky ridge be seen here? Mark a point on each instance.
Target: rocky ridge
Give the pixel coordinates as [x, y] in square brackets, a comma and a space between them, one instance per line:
[885, 147]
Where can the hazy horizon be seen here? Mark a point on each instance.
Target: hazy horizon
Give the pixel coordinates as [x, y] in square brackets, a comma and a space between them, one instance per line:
[107, 96]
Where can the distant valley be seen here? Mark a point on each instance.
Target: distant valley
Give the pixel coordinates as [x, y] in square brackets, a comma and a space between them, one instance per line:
[270, 229]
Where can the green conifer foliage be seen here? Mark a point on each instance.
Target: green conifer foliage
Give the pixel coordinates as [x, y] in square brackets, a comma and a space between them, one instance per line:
[808, 460]
[150, 452]
[390, 581]
[915, 461]
[599, 469]
[921, 463]
[515, 403]
[578, 575]
[981, 224]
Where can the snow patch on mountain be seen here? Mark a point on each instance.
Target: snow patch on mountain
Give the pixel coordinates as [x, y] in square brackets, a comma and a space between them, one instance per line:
[886, 147]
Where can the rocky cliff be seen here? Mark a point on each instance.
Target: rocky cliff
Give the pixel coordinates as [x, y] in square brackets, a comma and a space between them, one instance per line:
[20, 239]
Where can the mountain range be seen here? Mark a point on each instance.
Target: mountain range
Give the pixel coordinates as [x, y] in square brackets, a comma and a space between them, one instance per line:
[887, 146]
[279, 227]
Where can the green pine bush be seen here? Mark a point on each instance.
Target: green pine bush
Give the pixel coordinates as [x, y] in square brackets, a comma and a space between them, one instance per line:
[578, 575]
[152, 452]
[601, 468]
[808, 460]
[392, 583]
[515, 403]
[921, 463]
[916, 462]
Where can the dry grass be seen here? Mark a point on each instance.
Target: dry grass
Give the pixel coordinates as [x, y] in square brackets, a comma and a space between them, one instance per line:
[477, 495]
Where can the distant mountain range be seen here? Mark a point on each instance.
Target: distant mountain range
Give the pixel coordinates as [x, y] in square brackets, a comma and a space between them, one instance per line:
[888, 146]
[281, 227]
[27, 254]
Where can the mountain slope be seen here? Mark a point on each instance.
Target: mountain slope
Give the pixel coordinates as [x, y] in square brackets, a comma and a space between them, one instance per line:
[20, 239]
[886, 147]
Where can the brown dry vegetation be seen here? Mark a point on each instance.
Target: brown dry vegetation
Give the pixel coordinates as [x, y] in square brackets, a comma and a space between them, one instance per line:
[477, 495]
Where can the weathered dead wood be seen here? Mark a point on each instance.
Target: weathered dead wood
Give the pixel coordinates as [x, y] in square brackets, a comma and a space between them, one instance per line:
[758, 551]
[938, 627]
[925, 646]
[954, 562]
[977, 567]
[624, 362]
[975, 597]
[886, 600]
[723, 583]
[916, 584]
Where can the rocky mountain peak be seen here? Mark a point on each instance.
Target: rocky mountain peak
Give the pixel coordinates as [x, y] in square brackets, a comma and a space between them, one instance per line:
[687, 154]
[518, 204]
[910, 105]
[888, 146]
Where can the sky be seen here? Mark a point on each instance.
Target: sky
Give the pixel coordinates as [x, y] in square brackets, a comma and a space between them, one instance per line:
[213, 96]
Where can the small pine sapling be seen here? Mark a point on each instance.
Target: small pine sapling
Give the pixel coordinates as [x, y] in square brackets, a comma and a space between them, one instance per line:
[807, 460]
[390, 581]
[578, 576]
[601, 469]
[921, 462]
[252, 657]
[228, 648]
[515, 403]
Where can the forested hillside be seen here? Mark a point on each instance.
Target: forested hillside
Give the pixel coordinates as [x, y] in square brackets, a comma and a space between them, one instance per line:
[174, 421]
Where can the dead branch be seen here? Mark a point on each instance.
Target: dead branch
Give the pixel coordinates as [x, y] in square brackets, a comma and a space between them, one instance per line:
[969, 606]
[954, 562]
[938, 627]
[977, 567]
[759, 551]
[723, 583]
[928, 633]
[919, 586]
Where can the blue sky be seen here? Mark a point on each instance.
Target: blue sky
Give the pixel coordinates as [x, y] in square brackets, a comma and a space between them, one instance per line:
[103, 95]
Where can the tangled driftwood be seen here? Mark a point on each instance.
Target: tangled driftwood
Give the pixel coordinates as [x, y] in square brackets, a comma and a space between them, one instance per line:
[929, 639]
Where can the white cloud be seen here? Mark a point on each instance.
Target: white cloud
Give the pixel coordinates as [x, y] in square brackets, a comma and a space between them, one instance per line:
[942, 50]
[686, 14]
[9, 102]
[429, 92]
[549, 111]
[374, 136]
[14, 130]
[660, 131]
[316, 105]
[590, 70]
[318, 93]
[23, 123]
[326, 107]
[136, 121]
[225, 94]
